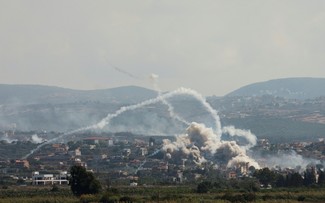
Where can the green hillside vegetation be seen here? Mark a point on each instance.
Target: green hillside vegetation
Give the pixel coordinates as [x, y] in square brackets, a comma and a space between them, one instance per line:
[279, 129]
[41, 94]
[293, 88]
[167, 194]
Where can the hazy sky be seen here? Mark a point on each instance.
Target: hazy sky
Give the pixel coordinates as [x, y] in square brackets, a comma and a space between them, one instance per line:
[212, 46]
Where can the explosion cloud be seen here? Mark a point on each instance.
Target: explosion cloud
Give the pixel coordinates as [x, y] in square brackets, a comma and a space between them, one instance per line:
[36, 139]
[199, 140]
[232, 131]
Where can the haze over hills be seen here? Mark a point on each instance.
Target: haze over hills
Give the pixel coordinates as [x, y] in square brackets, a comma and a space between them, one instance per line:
[38, 107]
[291, 88]
[40, 94]
[273, 113]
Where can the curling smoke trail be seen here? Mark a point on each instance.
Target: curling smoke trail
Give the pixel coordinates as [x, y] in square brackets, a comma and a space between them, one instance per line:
[140, 167]
[232, 131]
[154, 79]
[106, 121]
[181, 91]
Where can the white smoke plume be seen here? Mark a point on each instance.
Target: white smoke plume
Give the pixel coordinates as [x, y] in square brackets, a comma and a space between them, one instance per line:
[6, 138]
[36, 139]
[150, 155]
[288, 160]
[154, 79]
[181, 91]
[200, 140]
[140, 167]
[56, 139]
[232, 131]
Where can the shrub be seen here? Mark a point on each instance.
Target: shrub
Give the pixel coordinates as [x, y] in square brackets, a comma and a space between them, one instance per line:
[266, 197]
[55, 188]
[203, 187]
[249, 197]
[88, 198]
[83, 181]
[155, 197]
[127, 199]
[109, 198]
[301, 198]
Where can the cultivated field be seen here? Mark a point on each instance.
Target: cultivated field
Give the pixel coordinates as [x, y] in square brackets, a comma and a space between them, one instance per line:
[167, 194]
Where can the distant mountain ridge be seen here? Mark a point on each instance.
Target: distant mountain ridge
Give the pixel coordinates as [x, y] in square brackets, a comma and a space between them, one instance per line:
[39, 108]
[291, 88]
[37, 94]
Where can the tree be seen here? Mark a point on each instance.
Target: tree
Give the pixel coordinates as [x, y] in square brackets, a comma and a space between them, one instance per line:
[321, 178]
[204, 187]
[309, 177]
[20, 181]
[295, 180]
[74, 145]
[83, 181]
[265, 176]
[280, 181]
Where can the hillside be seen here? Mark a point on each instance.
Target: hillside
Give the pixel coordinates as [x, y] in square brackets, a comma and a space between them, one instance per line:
[40, 94]
[34, 107]
[290, 88]
[38, 107]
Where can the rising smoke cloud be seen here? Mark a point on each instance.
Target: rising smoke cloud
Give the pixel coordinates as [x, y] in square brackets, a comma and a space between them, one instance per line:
[199, 140]
[290, 160]
[37, 140]
[232, 131]
[6, 138]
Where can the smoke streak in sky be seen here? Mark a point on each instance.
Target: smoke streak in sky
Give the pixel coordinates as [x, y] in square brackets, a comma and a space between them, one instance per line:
[122, 71]
[181, 91]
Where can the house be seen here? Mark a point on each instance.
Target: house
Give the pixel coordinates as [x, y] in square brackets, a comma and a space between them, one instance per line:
[143, 151]
[98, 140]
[75, 152]
[22, 164]
[232, 175]
[45, 179]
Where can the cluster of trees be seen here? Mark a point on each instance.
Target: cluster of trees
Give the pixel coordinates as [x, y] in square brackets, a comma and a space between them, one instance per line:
[83, 184]
[266, 177]
[246, 184]
[309, 178]
[9, 150]
[83, 181]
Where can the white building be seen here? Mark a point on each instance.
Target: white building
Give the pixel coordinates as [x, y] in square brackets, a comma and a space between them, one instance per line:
[50, 179]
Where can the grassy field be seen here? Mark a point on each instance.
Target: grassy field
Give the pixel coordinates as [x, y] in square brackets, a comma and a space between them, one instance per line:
[167, 194]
